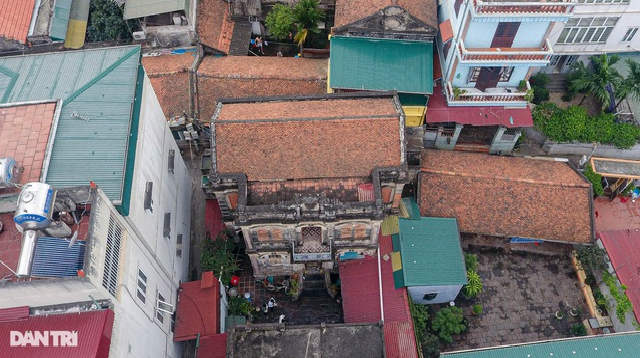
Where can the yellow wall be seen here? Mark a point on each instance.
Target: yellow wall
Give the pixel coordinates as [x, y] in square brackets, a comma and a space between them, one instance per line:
[414, 115]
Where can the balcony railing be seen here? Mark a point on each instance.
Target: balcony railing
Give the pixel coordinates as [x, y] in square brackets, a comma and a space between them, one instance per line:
[561, 8]
[500, 96]
[539, 56]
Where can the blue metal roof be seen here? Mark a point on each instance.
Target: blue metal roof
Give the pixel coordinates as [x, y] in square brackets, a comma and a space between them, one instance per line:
[54, 258]
[98, 89]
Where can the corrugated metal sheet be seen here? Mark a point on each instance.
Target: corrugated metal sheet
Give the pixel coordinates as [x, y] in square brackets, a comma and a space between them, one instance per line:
[360, 290]
[431, 252]
[97, 88]
[621, 345]
[54, 258]
[381, 64]
[396, 301]
[399, 339]
[409, 208]
[93, 327]
[14, 313]
[622, 248]
[60, 19]
[197, 310]
[213, 346]
[134, 9]
[390, 225]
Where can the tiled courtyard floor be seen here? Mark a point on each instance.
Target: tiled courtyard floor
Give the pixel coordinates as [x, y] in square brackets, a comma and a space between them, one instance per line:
[521, 294]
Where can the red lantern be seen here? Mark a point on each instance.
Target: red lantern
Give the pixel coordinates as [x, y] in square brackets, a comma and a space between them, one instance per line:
[235, 280]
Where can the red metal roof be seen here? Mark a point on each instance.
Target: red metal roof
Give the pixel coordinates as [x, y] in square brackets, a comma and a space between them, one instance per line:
[16, 18]
[93, 340]
[623, 247]
[197, 311]
[213, 346]
[14, 314]
[213, 218]
[399, 336]
[360, 290]
[439, 111]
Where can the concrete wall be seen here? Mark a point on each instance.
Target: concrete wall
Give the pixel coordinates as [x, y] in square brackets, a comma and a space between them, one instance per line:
[504, 147]
[605, 151]
[445, 293]
[48, 292]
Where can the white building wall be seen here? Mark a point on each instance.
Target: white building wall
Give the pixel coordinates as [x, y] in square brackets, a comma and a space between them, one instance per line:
[445, 293]
[629, 15]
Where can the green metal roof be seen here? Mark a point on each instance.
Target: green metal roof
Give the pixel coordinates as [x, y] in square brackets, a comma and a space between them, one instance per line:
[134, 9]
[97, 88]
[60, 19]
[431, 252]
[620, 345]
[381, 64]
[409, 208]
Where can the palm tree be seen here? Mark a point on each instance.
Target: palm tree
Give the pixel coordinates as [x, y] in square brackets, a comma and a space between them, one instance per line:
[598, 80]
[630, 86]
[307, 16]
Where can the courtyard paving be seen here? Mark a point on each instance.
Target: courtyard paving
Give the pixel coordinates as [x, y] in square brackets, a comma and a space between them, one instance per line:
[522, 292]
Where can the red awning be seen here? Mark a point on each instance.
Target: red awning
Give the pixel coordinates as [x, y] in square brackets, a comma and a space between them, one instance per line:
[198, 307]
[438, 112]
[92, 335]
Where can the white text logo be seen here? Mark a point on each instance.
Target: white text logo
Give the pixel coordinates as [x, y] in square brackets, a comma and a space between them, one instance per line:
[44, 338]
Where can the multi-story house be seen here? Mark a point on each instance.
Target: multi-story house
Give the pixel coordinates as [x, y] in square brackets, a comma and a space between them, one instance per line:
[597, 26]
[305, 180]
[71, 118]
[487, 51]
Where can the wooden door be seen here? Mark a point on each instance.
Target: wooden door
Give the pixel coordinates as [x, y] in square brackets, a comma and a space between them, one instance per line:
[505, 34]
[488, 78]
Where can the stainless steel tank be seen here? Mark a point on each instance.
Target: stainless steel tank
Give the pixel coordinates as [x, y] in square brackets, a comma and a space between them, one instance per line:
[35, 206]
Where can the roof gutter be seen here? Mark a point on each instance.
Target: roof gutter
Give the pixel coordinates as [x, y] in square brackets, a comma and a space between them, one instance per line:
[34, 17]
[380, 284]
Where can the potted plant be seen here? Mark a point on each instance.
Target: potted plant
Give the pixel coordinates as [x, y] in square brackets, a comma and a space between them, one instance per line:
[522, 86]
[457, 92]
[477, 309]
[559, 315]
[575, 311]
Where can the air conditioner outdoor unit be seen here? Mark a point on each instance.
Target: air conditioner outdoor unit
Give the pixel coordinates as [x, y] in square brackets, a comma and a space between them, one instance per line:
[139, 35]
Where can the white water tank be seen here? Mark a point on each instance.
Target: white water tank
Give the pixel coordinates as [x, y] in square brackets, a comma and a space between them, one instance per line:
[9, 172]
[35, 206]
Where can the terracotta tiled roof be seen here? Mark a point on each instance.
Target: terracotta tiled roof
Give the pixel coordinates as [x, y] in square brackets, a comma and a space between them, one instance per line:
[15, 18]
[10, 245]
[197, 309]
[238, 77]
[622, 248]
[334, 138]
[348, 11]
[24, 134]
[360, 290]
[215, 27]
[169, 76]
[506, 196]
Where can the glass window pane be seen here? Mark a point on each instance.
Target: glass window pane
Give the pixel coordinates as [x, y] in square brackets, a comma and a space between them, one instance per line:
[596, 36]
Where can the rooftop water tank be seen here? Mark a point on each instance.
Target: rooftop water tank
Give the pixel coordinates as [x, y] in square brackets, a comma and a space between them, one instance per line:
[27, 250]
[9, 172]
[35, 206]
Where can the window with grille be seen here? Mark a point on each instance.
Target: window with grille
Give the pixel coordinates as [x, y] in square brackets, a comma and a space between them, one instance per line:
[510, 134]
[112, 257]
[505, 73]
[429, 296]
[159, 313]
[142, 286]
[457, 6]
[352, 231]
[148, 196]
[172, 160]
[166, 231]
[587, 30]
[179, 245]
[628, 36]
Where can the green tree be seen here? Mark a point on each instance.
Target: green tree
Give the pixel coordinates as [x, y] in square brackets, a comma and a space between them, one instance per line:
[630, 85]
[307, 15]
[106, 22]
[595, 179]
[598, 78]
[447, 322]
[217, 256]
[280, 21]
[591, 258]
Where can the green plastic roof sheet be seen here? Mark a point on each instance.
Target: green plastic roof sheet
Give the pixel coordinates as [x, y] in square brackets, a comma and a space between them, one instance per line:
[381, 64]
[60, 20]
[620, 345]
[431, 252]
[97, 88]
[134, 9]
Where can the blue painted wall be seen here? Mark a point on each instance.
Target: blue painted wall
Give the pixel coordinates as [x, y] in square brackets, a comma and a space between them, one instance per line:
[530, 34]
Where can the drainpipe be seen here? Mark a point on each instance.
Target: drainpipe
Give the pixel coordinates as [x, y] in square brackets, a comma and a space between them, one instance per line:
[34, 17]
[380, 284]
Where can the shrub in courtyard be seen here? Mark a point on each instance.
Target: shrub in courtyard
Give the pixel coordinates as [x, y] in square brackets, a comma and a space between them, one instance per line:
[447, 322]
[578, 330]
[420, 316]
[217, 256]
[591, 258]
[471, 261]
[539, 85]
[430, 346]
[474, 286]
[238, 306]
[595, 179]
[623, 304]
[477, 309]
